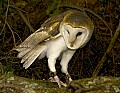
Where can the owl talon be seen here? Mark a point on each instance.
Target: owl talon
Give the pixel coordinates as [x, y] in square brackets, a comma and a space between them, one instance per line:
[57, 80]
[68, 79]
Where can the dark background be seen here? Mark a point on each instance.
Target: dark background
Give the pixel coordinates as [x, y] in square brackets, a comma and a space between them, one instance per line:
[36, 12]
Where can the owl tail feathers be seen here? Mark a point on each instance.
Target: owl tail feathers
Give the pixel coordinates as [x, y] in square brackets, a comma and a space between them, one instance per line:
[29, 57]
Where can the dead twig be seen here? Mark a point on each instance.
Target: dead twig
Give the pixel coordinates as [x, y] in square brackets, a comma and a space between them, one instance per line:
[101, 62]
[23, 17]
[25, 20]
[18, 37]
[1, 68]
[12, 33]
[5, 18]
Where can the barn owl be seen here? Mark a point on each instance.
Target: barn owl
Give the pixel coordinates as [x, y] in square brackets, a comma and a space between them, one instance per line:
[58, 37]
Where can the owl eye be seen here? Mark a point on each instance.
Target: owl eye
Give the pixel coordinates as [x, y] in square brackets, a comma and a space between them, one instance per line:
[78, 34]
[68, 31]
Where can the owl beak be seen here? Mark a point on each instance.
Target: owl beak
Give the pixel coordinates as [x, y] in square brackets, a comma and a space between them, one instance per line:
[72, 37]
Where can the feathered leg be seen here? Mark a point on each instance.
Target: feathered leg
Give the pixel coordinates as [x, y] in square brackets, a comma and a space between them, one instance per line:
[51, 64]
[64, 63]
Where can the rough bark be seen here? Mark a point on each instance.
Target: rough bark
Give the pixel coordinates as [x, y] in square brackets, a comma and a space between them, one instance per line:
[15, 84]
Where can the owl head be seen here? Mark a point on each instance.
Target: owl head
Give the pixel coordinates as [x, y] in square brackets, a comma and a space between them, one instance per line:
[76, 29]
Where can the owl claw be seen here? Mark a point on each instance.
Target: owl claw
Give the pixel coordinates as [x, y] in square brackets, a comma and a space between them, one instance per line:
[68, 79]
[57, 80]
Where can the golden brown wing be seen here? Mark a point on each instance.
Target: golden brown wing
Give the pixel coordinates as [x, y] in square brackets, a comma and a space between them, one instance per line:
[47, 31]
